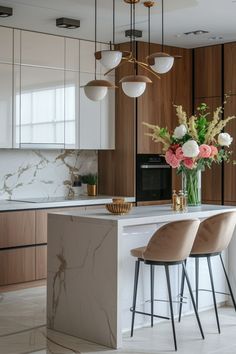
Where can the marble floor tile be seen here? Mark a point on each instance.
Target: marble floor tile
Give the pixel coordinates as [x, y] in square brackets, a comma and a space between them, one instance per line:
[23, 331]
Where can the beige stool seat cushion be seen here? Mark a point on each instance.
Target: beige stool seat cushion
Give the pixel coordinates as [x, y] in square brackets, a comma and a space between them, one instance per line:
[214, 234]
[171, 243]
[138, 252]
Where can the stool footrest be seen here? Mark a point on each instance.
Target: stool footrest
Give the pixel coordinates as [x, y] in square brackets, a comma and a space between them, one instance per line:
[148, 314]
[216, 292]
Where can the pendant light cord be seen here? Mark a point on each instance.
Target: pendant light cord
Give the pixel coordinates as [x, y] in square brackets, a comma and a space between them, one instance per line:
[162, 21]
[131, 26]
[95, 22]
[114, 21]
[149, 30]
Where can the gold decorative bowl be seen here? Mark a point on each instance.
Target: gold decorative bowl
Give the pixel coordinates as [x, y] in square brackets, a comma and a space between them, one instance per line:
[119, 208]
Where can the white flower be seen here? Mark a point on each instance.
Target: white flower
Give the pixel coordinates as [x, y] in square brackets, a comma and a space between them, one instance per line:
[180, 131]
[224, 139]
[190, 149]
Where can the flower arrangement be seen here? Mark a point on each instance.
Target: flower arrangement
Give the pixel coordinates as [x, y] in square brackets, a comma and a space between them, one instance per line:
[194, 144]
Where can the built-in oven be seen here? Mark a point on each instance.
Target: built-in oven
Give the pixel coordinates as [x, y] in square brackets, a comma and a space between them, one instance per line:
[154, 178]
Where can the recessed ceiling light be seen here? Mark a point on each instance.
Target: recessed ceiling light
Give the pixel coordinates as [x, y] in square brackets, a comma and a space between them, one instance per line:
[196, 33]
[67, 23]
[6, 11]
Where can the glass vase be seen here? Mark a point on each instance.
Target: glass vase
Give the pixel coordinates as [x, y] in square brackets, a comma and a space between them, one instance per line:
[191, 185]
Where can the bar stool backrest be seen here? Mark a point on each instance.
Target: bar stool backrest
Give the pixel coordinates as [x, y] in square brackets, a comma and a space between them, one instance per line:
[172, 242]
[215, 233]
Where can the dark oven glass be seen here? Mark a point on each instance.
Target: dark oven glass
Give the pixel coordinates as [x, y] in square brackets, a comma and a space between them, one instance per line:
[153, 178]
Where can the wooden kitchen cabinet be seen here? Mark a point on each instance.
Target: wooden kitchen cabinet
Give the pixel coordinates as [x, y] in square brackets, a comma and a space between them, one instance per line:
[41, 262]
[156, 105]
[208, 71]
[17, 229]
[230, 68]
[17, 265]
[229, 168]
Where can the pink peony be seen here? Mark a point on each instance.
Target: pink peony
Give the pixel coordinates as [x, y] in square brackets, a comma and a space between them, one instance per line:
[189, 163]
[205, 151]
[214, 151]
[171, 159]
[179, 154]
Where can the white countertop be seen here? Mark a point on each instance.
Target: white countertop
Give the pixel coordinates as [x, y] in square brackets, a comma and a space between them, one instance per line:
[7, 205]
[149, 214]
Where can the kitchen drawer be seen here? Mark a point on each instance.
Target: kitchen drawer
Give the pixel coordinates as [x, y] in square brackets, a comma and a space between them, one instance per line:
[41, 262]
[17, 228]
[17, 265]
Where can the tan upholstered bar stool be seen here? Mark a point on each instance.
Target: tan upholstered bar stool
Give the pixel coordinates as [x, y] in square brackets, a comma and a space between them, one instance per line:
[170, 245]
[213, 237]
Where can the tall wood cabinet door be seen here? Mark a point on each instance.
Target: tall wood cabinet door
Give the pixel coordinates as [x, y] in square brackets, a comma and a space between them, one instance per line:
[211, 178]
[208, 71]
[17, 265]
[230, 68]
[108, 117]
[229, 168]
[41, 262]
[17, 228]
[149, 105]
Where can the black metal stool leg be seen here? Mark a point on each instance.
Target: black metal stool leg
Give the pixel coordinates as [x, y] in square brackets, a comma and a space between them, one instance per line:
[171, 305]
[228, 282]
[182, 292]
[136, 275]
[197, 279]
[192, 298]
[213, 291]
[152, 291]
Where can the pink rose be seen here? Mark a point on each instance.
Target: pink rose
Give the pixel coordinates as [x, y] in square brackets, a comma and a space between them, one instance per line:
[214, 151]
[205, 151]
[189, 163]
[168, 156]
[179, 154]
[171, 159]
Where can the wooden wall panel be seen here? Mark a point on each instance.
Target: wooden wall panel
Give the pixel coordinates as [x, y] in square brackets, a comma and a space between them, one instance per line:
[17, 228]
[229, 168]
[230, 68]
[155, 106]
[17, 265]
[116, 169]
[208, 71]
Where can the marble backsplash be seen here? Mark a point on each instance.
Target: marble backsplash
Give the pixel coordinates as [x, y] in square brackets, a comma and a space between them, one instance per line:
[34, 173]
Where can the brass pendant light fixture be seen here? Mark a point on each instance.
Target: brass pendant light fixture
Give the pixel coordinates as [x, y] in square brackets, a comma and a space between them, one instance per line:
[160, 62]
[96, 90]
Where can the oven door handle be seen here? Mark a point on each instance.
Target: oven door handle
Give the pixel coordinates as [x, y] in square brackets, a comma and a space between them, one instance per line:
[154, 166]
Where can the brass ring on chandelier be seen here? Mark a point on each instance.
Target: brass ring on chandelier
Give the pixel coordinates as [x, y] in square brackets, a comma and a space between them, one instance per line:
[131, 1]
[149, 3]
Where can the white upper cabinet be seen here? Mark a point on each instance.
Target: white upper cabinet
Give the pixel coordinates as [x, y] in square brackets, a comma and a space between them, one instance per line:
[6, 48]
[6, 92]
[42, 50]
[87, 59]
[108, 117]
[72, 53]
[42, 107]
[90, 118]
[6, 87]
[72, 102]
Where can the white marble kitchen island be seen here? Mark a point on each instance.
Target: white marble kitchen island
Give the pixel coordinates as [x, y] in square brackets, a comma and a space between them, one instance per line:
[90, 270]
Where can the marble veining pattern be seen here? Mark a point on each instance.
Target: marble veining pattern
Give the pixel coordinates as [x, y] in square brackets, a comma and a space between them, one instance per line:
[33, 173]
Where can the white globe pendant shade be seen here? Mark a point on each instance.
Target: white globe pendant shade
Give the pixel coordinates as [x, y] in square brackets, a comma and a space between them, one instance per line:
[134, 85]
[109, 59]
[161, 63]
[96, 90]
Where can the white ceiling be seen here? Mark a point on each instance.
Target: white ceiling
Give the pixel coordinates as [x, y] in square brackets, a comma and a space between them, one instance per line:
[216, 16]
